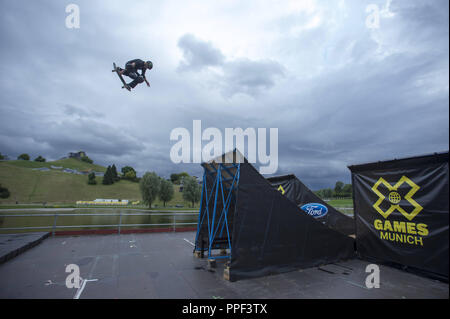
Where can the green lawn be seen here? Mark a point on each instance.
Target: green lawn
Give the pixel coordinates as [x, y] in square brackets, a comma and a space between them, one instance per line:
[341, 202]
[29, 186]
[345, 206]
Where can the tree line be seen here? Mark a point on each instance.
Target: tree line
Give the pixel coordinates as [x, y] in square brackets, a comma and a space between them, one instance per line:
[153, 186]
[340, 190]
[25, 157]
[111, 176]
[40, 158]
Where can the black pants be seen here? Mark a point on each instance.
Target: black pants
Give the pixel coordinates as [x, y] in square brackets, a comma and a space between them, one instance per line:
[132, 73]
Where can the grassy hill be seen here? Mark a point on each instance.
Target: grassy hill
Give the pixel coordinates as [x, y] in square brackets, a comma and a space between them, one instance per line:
[32, 186]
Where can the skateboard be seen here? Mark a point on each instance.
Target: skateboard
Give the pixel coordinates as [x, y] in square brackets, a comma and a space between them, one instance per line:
[125, 85]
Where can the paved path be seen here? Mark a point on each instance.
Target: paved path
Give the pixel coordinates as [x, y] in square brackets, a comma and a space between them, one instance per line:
[161, 265]
[12, 245]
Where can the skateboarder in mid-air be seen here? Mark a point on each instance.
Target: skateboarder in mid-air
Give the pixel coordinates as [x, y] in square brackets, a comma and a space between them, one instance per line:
[131, 70]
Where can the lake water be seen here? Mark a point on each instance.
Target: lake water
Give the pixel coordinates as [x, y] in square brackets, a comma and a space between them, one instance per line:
[89, 216]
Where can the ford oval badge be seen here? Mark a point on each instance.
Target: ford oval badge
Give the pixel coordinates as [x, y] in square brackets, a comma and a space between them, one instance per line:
[315, 210]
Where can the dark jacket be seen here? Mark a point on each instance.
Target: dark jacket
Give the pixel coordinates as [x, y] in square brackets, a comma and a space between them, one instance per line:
[139, 66]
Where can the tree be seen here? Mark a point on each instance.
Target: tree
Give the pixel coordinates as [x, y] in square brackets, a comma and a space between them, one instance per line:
[4, 192]
[114, 174]
[166, 192]
[325, 193]
[178, 178]
[183, 175]
[130, 175]
[108, 177]
[347, 190]
[127, 169]
[2, 157]
[338, 188]
[91, 179]
[174, 178]
[191, 190]
[87, 159]
[149, 186]
[328, 193]
[24, 157]
[39, 159]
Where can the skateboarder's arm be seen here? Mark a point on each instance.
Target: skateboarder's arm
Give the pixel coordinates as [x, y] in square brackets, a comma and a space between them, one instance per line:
[143, 75]
[145, 79]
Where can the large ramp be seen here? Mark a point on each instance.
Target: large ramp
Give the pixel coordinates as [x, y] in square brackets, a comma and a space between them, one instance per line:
[291, 187]
[263, 231]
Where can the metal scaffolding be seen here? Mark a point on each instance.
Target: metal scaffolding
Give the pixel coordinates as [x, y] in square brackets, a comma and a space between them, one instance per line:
[217, 206]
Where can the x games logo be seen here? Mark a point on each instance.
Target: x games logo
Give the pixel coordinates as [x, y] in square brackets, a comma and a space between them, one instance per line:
[395, 198]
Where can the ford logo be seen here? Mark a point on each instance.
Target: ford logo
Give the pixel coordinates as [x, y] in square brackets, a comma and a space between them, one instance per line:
[315, 210]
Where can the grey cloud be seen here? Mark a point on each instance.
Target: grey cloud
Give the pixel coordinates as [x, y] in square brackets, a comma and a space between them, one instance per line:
[239, 76]
[198, 54]
[55, 138]
[250, 77]
[89, 135]
[76, 110]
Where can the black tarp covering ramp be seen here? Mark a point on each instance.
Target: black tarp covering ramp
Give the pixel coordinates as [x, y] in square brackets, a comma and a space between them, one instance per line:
[264, 231]
[291, 187]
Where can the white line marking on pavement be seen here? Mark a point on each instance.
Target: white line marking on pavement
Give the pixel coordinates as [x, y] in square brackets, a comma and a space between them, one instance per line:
[189, 242]
[80, 290]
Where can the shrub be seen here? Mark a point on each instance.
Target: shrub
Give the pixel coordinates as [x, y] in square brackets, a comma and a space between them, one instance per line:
[4, 192]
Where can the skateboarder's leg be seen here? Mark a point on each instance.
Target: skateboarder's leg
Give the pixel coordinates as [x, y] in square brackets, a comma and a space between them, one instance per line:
[136, 79]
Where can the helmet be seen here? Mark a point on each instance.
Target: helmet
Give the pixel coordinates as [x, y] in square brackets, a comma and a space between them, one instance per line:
[149, 64]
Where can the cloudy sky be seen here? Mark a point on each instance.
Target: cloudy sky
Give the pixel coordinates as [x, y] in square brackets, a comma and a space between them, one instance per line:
[340, 88]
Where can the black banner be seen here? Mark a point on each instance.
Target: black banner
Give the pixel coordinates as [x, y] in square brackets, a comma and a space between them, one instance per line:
[291, 187]
[401, 211]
